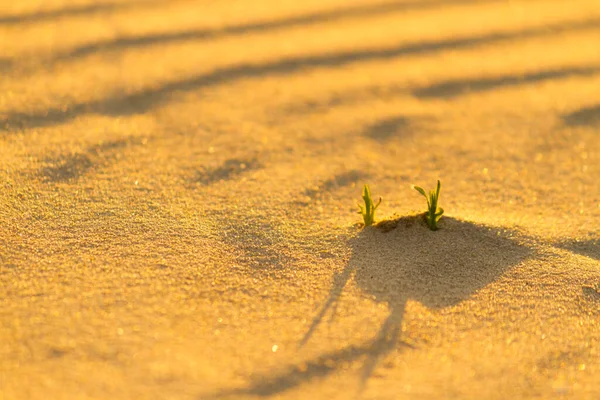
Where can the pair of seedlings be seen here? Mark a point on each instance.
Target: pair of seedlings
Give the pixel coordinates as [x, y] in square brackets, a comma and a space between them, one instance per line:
[432, 215]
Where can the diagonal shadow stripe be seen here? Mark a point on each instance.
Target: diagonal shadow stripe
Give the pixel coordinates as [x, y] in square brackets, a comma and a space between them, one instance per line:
[147, 99]
[78, 11]
[362, 11]
[463, 86]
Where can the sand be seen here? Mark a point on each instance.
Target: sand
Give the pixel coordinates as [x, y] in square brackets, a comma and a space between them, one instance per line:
[178, 196]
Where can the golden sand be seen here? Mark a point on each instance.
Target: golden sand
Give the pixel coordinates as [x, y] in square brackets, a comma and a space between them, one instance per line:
[178, 188]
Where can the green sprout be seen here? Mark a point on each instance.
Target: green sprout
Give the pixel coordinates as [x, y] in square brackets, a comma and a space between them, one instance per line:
[368, 211]
[434, 213]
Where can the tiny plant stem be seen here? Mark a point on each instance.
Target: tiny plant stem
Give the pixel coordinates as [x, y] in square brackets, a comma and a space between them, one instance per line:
[433, 213]
[368, 210]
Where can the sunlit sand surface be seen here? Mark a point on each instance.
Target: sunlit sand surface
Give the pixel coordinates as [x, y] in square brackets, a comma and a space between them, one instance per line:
[178, 196]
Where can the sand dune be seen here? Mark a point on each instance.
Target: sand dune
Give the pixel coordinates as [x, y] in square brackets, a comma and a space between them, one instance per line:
[179, 181]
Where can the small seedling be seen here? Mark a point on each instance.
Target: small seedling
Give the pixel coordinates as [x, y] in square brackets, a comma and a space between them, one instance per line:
[368, 211]
[434, 213]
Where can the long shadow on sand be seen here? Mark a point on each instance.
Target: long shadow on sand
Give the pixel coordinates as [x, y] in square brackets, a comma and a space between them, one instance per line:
[464, 86]
[447, 89]
[362, 11]
[409, 262]
[77, 11]
[147, 99]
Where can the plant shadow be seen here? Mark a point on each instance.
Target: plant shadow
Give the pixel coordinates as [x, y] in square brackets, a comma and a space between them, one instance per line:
[71, 167]
[589, 116]
[230, 169]
[588, 248]
[386, 129]
[394, 262]
[340, 180]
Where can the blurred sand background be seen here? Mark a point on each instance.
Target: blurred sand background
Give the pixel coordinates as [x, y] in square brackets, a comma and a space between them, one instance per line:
[178, 196]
